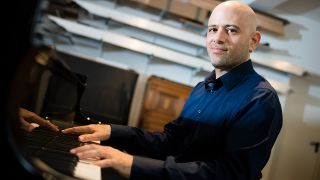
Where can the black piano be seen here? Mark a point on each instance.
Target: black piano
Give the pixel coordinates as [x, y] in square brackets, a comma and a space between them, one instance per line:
[53, 89]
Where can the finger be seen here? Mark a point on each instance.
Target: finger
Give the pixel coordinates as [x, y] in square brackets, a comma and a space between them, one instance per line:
[92, 154]
[78, 129]
[87, 152]
[49, 125]
[83, 148]
[103, 163]
[79, 149]
[26, 126]
[42, 122]
[89, 137]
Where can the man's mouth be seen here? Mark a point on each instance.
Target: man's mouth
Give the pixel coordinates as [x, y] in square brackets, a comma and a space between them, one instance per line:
[218, 50]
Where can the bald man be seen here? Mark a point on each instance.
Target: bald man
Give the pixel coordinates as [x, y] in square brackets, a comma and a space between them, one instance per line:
[226, 129]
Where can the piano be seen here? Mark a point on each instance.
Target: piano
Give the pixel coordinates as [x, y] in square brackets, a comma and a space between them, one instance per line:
[34, 77]
[53, 91]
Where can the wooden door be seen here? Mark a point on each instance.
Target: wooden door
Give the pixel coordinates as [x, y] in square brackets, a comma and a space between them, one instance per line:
[163, 102]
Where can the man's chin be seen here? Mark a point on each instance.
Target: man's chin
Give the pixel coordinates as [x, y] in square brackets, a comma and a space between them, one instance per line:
[222, 66]
[218, 64]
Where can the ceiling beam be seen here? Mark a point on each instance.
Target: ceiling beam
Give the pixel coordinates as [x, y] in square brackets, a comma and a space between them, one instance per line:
[265, 5]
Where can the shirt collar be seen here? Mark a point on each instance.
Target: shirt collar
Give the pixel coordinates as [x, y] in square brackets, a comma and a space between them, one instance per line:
[229, 79]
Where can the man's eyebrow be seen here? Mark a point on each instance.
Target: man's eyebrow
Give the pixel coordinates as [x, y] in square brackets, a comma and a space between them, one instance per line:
[226, 26]
[211, 26]
[233, 26]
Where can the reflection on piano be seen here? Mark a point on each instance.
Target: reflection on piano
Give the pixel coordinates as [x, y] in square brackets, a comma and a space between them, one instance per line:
[54, 91]
[52, 149]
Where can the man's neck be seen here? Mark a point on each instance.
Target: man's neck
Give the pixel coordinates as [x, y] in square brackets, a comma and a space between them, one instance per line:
[220, 72]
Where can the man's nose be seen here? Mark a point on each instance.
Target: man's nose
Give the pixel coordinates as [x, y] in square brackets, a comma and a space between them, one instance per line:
[220, 36]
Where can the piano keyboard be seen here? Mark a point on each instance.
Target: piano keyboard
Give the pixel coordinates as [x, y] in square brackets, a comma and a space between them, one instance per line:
[53, 149]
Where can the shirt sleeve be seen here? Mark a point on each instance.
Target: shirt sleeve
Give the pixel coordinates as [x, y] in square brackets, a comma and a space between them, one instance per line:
[152, 144]
[146, 169]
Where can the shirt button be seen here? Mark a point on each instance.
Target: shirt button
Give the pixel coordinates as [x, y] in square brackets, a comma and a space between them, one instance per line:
[199, 111]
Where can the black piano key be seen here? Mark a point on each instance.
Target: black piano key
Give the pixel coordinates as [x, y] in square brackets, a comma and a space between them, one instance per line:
[60, 161]
[53, 148]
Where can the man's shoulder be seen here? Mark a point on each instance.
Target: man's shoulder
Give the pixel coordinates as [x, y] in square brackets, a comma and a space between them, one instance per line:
[199, 84]
[257, 83]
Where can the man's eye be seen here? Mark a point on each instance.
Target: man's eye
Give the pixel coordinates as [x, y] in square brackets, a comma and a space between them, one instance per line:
[231, 30]
[212, 29]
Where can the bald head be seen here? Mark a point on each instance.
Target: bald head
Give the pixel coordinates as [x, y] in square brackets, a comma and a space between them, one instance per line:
[242, 11]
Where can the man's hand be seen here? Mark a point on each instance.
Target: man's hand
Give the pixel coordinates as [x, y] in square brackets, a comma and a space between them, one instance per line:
[28, 117]
[92, 132]
[107, 157]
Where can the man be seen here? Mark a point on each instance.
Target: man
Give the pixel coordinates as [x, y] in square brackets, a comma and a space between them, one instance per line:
[226, 129]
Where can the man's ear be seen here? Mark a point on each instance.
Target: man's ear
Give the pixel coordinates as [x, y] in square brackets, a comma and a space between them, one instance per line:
[254, 41]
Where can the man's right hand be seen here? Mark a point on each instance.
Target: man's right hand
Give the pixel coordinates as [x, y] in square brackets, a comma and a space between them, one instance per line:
[92, 132]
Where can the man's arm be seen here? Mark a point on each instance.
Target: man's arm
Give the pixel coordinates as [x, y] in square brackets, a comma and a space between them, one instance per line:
[152, 144]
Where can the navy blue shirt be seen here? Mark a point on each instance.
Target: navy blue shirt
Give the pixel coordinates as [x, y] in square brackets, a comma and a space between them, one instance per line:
[226, 130]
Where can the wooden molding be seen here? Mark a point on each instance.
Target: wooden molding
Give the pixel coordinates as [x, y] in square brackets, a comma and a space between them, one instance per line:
[205, 4]
[270, 24]
[179, 8]
[198, 9]
[266, 22]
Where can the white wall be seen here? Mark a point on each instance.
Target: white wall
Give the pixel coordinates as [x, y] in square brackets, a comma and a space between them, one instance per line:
[299, 45]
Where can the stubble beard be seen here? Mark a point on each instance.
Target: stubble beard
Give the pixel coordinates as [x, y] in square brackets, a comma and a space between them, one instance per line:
[223, 63]
[226, 62]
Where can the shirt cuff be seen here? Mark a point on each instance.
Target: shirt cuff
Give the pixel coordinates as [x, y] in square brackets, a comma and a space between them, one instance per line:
[120, 132]
[146, 168]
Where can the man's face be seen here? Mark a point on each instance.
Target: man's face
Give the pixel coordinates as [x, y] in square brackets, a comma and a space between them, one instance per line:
[228, 38]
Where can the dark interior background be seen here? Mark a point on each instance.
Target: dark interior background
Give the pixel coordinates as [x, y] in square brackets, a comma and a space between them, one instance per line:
[18, 23]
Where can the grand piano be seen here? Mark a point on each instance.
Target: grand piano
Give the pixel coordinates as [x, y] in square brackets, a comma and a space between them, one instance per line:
[54, 91]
